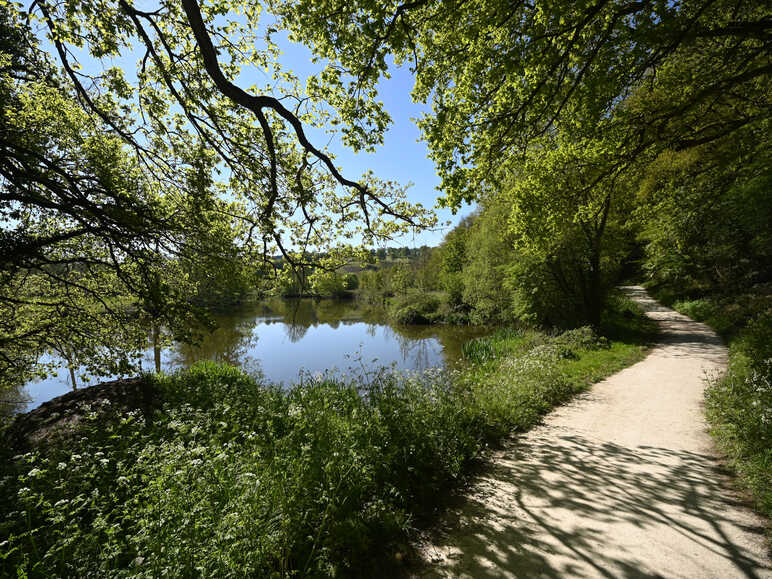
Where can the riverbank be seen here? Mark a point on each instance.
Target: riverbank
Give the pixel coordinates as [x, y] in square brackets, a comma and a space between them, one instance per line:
[229, 476]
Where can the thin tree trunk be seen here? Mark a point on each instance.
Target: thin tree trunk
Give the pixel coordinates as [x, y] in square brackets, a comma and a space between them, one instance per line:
[595, 297]
[157, 347]
[72, 378]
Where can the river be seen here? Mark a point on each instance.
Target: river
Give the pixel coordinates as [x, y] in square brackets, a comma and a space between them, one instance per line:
[282, 338]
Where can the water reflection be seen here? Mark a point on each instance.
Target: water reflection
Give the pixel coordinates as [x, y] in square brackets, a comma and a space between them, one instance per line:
[12, 401]
[279, 339]
[230, 342]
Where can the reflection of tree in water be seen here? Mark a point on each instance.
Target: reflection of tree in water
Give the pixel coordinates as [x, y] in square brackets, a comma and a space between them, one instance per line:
[300, 314]
[298, 317]
[295, 332]
[417, 352]
[418, 339]
[12, 400]
[229, 343]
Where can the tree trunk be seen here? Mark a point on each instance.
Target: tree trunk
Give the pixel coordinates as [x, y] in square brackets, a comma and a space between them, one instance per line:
[594, 301]
[72, 378]
[157, 347]
[595, 293]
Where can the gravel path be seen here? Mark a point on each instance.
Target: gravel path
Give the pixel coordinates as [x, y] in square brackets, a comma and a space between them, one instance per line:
[623, 482]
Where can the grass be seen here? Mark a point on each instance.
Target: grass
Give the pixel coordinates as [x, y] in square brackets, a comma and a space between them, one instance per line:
[739, 404]
[230, 477]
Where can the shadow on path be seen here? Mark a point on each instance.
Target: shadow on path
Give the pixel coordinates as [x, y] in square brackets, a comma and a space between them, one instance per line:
[620, 483]
[545, 508]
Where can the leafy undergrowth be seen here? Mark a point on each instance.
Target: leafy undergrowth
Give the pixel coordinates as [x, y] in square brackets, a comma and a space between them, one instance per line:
[231, 478]
[739, 404]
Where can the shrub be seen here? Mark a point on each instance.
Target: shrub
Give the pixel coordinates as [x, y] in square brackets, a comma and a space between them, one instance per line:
[414, 309]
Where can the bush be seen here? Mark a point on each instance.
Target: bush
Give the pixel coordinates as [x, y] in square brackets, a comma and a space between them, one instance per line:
[414, 309]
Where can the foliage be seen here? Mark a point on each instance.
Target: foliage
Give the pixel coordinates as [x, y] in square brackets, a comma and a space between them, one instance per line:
[706, 213]
[327, 283]
[737, 407]
[453, 252]
[372, 286]
[524, 71]
[87, 238]
[350, 282]
[417, 308]
[488, 252]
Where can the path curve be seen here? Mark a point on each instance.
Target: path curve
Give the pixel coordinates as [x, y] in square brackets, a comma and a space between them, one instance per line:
[622, 482]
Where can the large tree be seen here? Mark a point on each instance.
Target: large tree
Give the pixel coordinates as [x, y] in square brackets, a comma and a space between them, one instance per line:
[558, 106]
[117, 182]
[500, 74]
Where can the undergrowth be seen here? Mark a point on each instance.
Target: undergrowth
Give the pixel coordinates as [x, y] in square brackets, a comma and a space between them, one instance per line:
[229, 477]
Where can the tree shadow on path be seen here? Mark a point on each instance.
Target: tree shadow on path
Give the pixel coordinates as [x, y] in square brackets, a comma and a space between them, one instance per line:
[575, 498]
[574, 507]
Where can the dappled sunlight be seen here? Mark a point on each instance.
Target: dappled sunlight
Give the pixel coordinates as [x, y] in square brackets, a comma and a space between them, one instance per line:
[623, 482]
[573, 506]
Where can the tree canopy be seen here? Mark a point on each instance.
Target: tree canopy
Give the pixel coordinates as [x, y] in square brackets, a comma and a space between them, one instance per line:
[503, 74]
[117, 182]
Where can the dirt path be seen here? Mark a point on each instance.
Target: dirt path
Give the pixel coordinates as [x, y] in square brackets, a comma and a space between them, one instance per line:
[623, 482]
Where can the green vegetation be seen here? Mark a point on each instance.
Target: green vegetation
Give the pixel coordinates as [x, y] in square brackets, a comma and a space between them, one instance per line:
[599, 140]
[231, 477]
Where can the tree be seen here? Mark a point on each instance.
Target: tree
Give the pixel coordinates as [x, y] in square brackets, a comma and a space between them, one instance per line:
[489, 253]
[570, 204]
[327, 284]
[78, 221]
[190, 55]
[501, 74]
[559, 106]
[400, 278]
[706, 212]
[453, 256]
[96, 165]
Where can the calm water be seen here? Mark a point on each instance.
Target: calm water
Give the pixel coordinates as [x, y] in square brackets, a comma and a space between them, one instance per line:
[282, 338]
